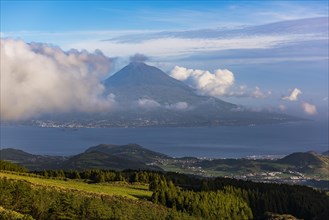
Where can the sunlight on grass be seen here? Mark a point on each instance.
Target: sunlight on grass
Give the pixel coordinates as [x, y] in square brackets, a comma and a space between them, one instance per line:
[132, 191]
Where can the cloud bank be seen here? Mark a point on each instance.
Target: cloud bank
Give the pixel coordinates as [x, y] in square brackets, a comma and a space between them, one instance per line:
[38, 78]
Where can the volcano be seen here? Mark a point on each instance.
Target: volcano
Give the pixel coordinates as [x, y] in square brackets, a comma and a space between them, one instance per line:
[140, 81]
[149, 97]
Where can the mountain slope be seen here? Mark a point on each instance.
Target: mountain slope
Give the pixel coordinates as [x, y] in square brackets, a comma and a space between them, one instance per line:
[103, 156]
[31, 161]
[138, 80]
[130, 151]
[303, 159]
[149, 97]
[115, 157]
[100, 160]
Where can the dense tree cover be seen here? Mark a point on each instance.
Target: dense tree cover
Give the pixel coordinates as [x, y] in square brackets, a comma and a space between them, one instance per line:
[12, 215]
[5, 165]
[207, 205]
[300, 201]
[50, 203]
[99, 176]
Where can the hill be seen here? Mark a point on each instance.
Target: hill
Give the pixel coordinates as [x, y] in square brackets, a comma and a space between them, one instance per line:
[130, 151]
[303, 159]
[31, 161]
[44, 198]
[111, 157]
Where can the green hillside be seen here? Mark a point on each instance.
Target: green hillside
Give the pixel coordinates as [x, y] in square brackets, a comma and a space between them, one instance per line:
[55, 199]
[99, 160]
[131, 191]
[133, 152]
[129, 194]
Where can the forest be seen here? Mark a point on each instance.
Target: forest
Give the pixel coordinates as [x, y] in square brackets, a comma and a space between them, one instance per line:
[174, 196]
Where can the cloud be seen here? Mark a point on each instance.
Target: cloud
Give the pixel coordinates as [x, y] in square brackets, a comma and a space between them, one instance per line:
[259, 94]
[219, 83]
[206, 83]
[39, 78]
[293, 96]
[148, 103]
[309, 108]
[178, 106]
[243, 91]
[138, 58]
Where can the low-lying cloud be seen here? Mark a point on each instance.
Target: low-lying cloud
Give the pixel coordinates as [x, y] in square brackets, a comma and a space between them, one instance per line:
[148, 103]
[309, 108]
[206, 83]
[178, 106]
[293, 96]
[40, 78]
[217, 84]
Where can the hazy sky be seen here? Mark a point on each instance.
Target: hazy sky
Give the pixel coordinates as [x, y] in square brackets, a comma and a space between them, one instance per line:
[263, 54]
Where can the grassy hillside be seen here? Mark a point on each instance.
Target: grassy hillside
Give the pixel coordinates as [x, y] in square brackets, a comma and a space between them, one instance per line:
[132, 191]
[24, 197]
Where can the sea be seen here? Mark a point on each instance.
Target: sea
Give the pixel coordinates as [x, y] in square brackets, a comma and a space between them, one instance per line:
[202, 142]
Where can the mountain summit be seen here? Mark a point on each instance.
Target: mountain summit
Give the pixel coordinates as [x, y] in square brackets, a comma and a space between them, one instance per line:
[138, 81]
[149, 97]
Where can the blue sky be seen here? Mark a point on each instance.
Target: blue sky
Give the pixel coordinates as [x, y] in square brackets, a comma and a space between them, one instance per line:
[155, 15]
[268, 61]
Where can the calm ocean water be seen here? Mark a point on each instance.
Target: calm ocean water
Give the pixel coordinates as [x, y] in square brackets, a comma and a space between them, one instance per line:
[213, 142]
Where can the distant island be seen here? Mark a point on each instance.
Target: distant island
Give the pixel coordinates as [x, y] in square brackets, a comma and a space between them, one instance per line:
[306, 168]
[145, 96]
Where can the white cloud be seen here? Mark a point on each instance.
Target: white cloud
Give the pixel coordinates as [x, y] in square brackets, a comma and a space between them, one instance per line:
[178, 106]
[217, 84]
[148, 103]
[171, 46]
[309, 108]
[39, 78]
[293, 96]
[259, 94]
[206, 83]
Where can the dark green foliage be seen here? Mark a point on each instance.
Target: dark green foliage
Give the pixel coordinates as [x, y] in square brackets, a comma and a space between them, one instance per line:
[5, 165]
[300, 201]
[12, 215]
[98, 176]
[223, 204]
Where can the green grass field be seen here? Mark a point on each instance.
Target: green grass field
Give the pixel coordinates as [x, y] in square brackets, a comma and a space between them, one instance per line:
[132, 191]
